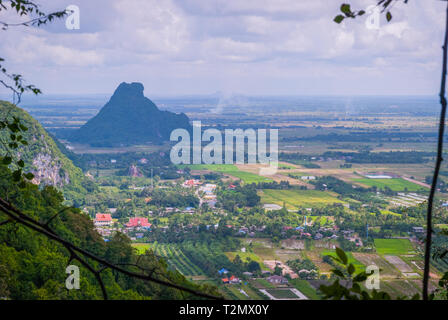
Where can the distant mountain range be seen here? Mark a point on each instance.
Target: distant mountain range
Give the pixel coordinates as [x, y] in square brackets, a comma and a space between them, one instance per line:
[129, 118]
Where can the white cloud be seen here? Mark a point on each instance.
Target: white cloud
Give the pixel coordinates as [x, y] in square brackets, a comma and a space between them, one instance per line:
[34, 50]
[258, 46]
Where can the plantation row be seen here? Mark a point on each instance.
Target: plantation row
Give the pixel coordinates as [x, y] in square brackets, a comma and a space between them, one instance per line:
[209, 258]
[176, 259]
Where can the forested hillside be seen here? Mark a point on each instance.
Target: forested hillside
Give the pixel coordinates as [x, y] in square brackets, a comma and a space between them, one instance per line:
[43, 158]
[33, 267]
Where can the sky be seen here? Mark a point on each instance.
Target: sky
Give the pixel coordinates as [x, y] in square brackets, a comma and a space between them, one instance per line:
[249, 47]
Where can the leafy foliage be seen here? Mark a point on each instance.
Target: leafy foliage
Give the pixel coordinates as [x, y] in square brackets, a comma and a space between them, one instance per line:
[30, 140]
[33, 266]
[352, 288]
[15, 128]
[347, 12]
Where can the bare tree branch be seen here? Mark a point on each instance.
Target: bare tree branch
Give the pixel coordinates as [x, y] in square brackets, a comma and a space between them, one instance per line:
[75, 252]
[439, 160]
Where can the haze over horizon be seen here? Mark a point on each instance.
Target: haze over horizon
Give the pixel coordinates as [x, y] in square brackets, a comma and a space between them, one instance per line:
[252, 48]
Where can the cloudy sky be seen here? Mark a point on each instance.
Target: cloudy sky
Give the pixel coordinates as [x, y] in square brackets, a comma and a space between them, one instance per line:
[253, 47]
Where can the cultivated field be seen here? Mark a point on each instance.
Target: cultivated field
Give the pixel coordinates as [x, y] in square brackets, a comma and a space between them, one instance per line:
[396, 184]
[393, 246]
[293, 199]
[174, 256]
[232, 171]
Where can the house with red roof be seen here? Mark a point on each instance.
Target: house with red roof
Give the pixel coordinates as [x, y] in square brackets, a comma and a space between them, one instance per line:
[192, 183]
[138, 222]
[103, 219]
[234, 279]
[306, 234]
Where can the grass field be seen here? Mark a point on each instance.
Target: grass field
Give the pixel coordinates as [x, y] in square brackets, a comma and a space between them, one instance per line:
[265, 284]
[322, 220]
[387, 212]
[294, 199]
[142, 247]
[244, 256]
[284, 166]
[235, 292]
[211, 167]
[282, 293]
[248, 177]
[231, 170]
[393, 246]
[396, 184]
[109, 189]
[305, 287]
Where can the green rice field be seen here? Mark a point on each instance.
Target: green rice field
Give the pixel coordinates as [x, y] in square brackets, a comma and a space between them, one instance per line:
[294, 199]
[231, 170]
[396, 184]
[393, 246]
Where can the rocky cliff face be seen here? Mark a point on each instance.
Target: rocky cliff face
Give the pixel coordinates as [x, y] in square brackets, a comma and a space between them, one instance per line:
[42, 156]
[48, 170]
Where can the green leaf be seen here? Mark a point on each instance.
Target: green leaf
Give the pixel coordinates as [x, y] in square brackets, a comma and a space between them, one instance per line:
[361, 12]
[21, 163]
[338, 272]
[335, 258]
[29, 175]
[351, 268]
[7, 160]
[16, 175]
[339, 18]
[356, 288]
[341, 254]
[362, 276]
[13, 127]
[345, 8]
[388, 16]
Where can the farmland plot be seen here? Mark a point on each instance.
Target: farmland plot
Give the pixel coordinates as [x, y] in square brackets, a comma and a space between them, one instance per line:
[399, 263]
[386, 270]
[293, 199]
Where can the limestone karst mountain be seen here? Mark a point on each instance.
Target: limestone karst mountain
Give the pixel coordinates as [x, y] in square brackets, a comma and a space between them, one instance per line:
[129, 118]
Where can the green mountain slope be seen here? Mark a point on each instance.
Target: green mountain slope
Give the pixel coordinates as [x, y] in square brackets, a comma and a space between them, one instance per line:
[43, 158]
[129, 118]
[33, 267]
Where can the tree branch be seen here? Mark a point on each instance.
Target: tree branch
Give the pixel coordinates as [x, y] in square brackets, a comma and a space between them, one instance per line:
[74, 250]
[439, 160]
